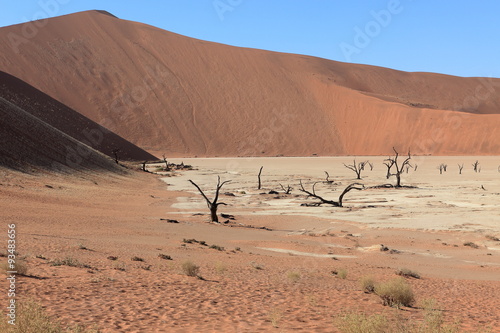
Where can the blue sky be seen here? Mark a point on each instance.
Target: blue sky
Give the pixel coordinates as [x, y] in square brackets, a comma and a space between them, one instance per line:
[451, 37]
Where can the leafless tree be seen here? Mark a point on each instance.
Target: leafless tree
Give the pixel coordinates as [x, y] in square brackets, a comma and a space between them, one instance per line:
[393, 162]
[260, 172]
[354, 186]
[475, 165]
[460, 168]
[212, 205]
[328, 181]
[144, 166]
[442, 167]
[371, 165]
[357, 168]
[115, 153]
[287, 190]
[166, 163]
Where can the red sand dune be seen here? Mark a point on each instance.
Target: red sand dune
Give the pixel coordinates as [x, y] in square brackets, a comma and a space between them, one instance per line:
[38, 131]
[181, 96]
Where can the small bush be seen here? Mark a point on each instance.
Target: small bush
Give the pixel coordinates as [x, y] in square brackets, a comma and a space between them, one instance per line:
[471, 244]
[113, 258]
[293, 276]
[20, 267]
[137, 259]
[216, 247]
[367, 284]
[220, 267]
[164, 256]
[190, 269]
[405, 272]
[341, 273]
[395, 293]
[492, 238]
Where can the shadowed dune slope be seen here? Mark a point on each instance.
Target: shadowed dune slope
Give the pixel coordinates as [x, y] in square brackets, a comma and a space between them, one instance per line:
[67, 120]
[181, 96]
[29, 144]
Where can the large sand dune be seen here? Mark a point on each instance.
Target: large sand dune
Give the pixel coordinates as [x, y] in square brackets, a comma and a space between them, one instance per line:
[181, 96]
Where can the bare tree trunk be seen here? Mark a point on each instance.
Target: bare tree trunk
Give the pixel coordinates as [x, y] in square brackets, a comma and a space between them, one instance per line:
[260, 172]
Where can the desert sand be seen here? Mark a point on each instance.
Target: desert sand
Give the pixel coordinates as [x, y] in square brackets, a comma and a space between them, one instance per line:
[277, 279]
[105, 242]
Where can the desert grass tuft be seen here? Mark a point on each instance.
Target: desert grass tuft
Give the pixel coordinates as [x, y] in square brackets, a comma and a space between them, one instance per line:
[362, 323]
[293, 277]
[190, 269]
[471, 244]
[32, 318]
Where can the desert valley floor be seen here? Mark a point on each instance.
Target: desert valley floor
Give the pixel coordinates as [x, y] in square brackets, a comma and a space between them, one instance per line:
[274, 267]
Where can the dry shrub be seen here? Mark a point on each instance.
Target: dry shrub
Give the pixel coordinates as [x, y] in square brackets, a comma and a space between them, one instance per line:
[32, 318]
[190, 269]
[20, 267]
[395, 293]
[342, 273]
[361, 323]
[367, 284]
[293, 276]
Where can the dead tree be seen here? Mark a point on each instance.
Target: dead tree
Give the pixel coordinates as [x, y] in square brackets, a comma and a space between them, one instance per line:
[213, 205]
[287, 190]
[354, 186]
[393, 162]
[328, 181]
[371, 165]
[166, 163]
[115, 153]
[357, 168]
[144, 166]
[260, 172]
[460, 168]
[475, 165]
[442, 167]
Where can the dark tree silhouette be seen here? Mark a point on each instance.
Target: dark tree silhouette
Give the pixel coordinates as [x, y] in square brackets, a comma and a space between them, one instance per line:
[287, 190]
[166, 163]
[357, 168]
[442, 167]
[475, 165]
[328, 181]
[212, 205]
[392, 162]
[354, 186]
[115, 153]
[460, 168]
[258, 176]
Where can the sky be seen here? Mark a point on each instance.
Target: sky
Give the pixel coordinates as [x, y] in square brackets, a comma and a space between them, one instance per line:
[451, 37]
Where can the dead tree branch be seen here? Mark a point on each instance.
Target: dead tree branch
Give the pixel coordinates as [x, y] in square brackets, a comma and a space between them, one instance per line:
[354, 186]
[287, 190]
